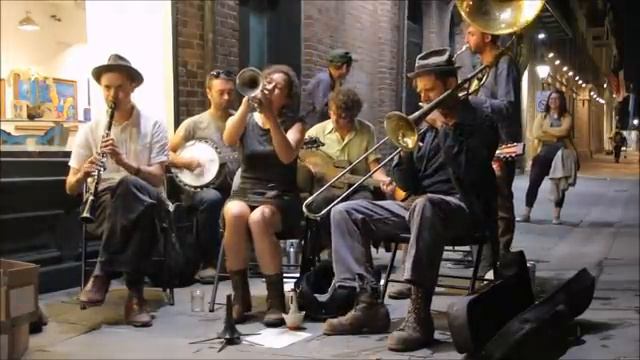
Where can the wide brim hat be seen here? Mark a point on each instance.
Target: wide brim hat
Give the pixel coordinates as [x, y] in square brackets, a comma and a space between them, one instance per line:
[435, 60]
[116, 63]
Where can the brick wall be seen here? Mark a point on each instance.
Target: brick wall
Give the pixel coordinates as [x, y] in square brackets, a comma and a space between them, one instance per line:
[194, 37]
[227, 35]
[371, 30]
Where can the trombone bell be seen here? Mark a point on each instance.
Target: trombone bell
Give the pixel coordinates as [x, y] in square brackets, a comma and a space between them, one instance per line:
[401, 130]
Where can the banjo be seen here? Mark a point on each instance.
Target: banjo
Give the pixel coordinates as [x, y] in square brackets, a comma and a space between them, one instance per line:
[209, 174]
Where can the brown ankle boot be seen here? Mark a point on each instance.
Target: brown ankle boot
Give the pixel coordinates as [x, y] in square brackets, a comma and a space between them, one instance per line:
[275, 301]
[135, 309]
[241, 295]
[94, 293]
[416, 332]
[369, 316]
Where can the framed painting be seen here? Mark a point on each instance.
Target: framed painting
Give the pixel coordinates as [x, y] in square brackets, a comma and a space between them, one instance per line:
[50, 98]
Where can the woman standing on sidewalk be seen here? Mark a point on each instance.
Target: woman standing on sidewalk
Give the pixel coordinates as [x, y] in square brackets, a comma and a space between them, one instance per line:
[551, 132]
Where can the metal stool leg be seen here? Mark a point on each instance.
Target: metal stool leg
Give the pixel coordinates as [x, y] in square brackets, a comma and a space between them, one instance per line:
[83, 257]
[167, 275]
[476, 267]
[216, 281]
[165, 227]
[83, 263]
[388, 273]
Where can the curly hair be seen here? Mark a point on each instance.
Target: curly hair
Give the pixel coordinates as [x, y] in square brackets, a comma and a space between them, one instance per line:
[563, 103]
[346, 101]
[293, 85]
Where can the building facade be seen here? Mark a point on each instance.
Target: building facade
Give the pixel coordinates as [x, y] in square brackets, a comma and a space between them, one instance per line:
[233, 34]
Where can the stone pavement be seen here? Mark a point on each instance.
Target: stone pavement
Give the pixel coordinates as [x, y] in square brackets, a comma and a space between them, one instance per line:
[600, 232]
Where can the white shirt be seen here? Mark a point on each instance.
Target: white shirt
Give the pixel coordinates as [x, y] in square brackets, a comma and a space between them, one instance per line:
[143, 141]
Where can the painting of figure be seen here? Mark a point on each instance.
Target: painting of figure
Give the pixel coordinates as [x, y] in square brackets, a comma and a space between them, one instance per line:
[54, 98]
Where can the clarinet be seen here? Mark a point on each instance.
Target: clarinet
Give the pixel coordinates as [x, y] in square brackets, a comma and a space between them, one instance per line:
[88, 213]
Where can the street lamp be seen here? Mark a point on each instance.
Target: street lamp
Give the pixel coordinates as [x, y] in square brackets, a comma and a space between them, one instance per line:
[543, 71]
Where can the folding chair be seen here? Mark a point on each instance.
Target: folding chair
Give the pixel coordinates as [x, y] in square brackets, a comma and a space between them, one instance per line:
[404, 239]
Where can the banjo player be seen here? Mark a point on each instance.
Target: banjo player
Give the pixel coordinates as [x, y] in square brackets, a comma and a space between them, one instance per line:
[208, 200]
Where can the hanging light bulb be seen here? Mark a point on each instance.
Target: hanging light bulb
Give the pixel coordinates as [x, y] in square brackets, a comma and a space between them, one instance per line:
[28, 24]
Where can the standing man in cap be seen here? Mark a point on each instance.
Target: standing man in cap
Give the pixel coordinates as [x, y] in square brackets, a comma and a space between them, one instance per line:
[315, 107]
[500, 95]
[451, 181]
[208, 203]
[130, 196]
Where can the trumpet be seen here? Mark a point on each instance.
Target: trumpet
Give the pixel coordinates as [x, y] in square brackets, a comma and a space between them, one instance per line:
[249, 82]
[402, 130]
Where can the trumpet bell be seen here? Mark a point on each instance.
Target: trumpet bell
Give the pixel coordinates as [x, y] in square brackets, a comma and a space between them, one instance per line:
[499, 17]
[249, 81]
[401, 130]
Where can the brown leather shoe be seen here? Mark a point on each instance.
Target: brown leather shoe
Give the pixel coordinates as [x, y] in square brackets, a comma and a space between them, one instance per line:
[369, 316]
[94, 293]
[135, 312]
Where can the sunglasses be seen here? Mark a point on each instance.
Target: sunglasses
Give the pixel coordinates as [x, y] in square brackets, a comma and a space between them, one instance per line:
[226, 74]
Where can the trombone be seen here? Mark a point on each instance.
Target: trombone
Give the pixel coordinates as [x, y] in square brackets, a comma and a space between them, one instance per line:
[491, 16]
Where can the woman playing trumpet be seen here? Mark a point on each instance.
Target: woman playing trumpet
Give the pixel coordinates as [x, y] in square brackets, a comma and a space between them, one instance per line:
[266, 201]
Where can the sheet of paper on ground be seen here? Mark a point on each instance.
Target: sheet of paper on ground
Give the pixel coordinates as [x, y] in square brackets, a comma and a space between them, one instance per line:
[277, 338]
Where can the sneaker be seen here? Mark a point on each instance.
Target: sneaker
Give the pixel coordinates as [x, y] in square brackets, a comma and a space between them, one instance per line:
[206, 275]
[524, 218]
[556, 222]
[400, 292]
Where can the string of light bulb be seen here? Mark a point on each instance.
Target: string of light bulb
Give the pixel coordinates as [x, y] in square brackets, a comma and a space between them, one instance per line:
[569, 73]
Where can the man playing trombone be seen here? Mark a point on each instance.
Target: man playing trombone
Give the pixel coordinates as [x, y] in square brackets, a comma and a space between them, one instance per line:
[450, 176]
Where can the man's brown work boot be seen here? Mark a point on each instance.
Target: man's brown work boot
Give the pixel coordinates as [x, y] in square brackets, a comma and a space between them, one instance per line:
[369, 316]
[416, 332]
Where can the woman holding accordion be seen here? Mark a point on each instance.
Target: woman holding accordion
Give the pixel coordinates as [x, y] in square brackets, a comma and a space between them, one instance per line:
[266, 201]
